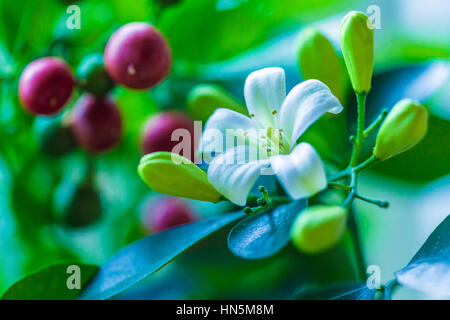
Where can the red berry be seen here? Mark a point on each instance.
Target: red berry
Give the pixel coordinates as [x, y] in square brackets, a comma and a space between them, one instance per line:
[45, 86]
[166, 213]
[159, 129]
[96, 123]
[137, 56]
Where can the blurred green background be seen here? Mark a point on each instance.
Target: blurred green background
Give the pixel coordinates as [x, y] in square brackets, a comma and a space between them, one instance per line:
[221, 42]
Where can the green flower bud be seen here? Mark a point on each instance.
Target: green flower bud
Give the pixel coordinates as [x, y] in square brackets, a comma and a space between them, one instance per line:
[404, 127]
[317, 59]
[175, 175]
[204, 99]
[318, 228]
[357, 47]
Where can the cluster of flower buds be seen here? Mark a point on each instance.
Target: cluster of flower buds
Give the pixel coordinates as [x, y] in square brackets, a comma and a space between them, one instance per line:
[320, 227]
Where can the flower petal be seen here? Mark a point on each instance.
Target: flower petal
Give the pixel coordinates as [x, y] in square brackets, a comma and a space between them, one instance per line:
[222, 122]
[301, 173]
[264, 92]
[306, 103]
[233, 176]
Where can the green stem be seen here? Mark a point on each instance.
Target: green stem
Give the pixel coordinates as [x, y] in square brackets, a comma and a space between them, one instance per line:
[361, 101]
[366, 164]
[361, 263]
[380, 203]
[377, 121]
[339, 186]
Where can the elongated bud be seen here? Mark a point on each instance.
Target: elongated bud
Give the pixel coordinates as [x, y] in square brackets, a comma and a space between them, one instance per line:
[403, 128]
[318, 228]
[317, 59]
[357, 47]
[204, 99]
[175, 175]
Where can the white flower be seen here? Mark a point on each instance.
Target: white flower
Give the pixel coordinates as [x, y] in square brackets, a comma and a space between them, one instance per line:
[282, 120]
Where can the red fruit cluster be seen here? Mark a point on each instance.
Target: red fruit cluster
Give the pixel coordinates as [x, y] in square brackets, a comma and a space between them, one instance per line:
[137, 56]
[45, 86]
[166, 213]
[160, 128]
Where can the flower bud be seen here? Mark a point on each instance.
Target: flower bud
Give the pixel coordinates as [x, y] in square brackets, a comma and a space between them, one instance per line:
[317, 59]
[175, 175]
[204, 99]
[404, 127]
[318, 228]
[357, 47]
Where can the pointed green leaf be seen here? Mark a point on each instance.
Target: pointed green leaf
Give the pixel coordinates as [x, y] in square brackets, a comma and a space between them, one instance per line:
[338, 291]
[429, 269]
[263, 235]
[55, 282]
[146, 256]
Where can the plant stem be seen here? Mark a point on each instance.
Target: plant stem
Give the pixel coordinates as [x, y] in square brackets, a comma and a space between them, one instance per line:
[380, 203]
[361, 101]
[361, 262]
[339, 186]
[366, 164]
[377, 121]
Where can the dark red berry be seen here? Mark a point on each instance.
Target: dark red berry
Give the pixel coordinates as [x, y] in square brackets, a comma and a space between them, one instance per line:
[45, 86]
[96, 123]
[159, 129]
[137, 56]
[166, 213]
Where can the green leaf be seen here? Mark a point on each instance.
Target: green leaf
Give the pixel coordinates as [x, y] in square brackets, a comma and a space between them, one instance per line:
[146, 256]
[429, 269]
[263, 235]
[224, 38]
[51, 283]
[338, 291]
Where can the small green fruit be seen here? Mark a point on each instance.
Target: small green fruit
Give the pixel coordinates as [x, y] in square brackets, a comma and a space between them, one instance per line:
[84, 207]
[318, 228]
[55, 136]
[204, 99]
[317, 59]
[403, 128]
[176, 175]
[357, 45]
[92, 76]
